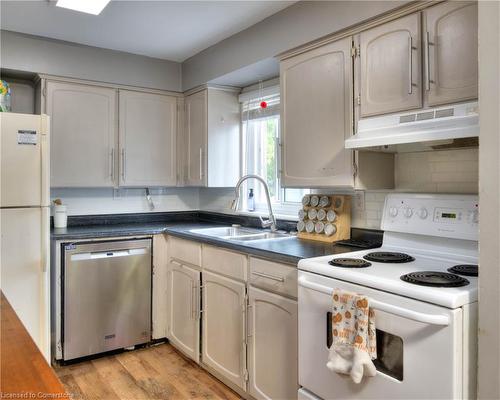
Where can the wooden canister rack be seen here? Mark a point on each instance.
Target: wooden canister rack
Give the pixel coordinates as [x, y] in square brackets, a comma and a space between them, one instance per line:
[341, 205]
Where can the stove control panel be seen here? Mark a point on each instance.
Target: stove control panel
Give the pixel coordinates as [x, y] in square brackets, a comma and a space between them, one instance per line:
[452, 216]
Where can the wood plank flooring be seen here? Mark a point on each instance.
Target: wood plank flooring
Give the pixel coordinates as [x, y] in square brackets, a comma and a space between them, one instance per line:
[157, 372]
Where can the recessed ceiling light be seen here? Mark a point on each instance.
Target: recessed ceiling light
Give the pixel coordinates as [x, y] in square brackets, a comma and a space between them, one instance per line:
[87, 6]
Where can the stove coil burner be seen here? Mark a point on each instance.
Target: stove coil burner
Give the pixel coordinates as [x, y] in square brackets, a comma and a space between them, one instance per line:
[388, 257]
[349, 263]
[435, 279]
[465, 269]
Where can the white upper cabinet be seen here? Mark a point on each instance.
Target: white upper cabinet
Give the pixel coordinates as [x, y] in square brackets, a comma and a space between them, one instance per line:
[195, 138]
[389, 67]
[147, 138]
[450, 47]
[316, 101]
[211, 138]
[83, 134]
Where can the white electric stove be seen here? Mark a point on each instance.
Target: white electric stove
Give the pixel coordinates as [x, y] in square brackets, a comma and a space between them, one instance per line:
[423, 286]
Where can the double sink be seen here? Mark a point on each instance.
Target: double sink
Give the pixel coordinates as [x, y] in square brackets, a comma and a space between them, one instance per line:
[240, 234]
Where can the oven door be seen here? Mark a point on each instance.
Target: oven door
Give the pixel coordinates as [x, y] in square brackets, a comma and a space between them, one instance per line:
[419, 346]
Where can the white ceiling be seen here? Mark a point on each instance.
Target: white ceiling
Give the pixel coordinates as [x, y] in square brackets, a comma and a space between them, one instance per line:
[171, 30]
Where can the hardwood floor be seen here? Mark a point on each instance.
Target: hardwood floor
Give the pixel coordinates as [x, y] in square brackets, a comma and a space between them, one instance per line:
[157, 372]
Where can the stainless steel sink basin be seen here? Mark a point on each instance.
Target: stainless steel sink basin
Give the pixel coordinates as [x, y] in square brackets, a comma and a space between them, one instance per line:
[239, 234]
[226, 231]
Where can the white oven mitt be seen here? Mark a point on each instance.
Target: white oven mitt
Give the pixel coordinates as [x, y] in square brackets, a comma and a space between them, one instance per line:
[354, 342]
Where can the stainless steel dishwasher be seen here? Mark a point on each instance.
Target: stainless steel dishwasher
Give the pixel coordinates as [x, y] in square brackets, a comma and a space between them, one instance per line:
[107, 296]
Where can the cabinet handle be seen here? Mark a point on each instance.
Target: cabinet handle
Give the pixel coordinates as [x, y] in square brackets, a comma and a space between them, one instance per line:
[272, 277]
[112, 167]
[427, 62]
[248, 317]
[410, 65]
[123, 164]
[193, 301]
[201, 163]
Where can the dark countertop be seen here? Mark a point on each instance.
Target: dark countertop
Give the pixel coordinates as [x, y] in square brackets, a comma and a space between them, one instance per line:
[288, 250]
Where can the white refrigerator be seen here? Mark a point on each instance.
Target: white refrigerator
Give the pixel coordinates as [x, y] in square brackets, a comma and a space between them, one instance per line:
[25, 221]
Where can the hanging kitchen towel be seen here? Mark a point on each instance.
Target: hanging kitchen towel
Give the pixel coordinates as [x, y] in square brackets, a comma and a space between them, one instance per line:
[354, 343]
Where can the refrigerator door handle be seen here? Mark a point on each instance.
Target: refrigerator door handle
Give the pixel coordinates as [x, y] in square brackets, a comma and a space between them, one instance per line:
[45, 242]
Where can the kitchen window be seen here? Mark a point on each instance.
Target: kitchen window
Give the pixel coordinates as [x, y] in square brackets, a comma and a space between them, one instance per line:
[261, 153]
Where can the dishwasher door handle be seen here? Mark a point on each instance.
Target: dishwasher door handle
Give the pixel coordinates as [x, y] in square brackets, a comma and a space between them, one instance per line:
[107, 254]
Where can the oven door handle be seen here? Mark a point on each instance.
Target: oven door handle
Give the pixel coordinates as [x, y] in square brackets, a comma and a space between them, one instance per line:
[431, 319]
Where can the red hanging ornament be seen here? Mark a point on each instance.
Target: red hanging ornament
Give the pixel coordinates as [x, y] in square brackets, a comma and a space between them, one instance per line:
[263, 104]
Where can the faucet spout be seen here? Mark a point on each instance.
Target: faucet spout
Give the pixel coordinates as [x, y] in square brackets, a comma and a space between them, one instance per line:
[271, 221]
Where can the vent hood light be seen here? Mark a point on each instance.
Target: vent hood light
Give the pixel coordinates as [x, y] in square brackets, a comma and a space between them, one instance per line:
[87, 6]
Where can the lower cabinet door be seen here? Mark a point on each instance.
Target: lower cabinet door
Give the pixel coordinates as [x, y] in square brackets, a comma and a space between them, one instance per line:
[272, 351]
[223, 338]
[184, 309]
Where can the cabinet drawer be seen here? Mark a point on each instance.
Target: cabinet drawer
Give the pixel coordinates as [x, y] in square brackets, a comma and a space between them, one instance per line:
[272, 276]
[225, 262]
[185, 250]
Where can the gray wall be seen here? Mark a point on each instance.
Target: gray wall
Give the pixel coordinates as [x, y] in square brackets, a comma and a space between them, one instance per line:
[34, 54]
[295, 25]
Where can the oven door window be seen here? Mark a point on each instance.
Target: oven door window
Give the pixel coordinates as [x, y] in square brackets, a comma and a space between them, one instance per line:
[389, 359]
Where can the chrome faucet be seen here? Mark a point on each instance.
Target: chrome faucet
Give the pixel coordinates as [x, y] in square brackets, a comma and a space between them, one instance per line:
[269, 223]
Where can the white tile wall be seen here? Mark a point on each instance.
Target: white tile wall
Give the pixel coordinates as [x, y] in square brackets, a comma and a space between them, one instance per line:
[450, 171]
[110, 201]
[447, 171]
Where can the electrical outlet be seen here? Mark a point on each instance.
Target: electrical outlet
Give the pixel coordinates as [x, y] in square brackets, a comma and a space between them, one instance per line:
[359, 200]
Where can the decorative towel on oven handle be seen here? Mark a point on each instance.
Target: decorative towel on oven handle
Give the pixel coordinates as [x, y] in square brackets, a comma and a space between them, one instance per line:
[354, 343]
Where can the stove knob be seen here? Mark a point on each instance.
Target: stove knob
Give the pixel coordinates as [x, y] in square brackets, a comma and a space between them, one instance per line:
[393, 212]
[408, 212]
[423, 213]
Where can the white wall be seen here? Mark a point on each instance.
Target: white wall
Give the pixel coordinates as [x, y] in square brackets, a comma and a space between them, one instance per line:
[121, 201]
[26, 53]
[489, 198]
[300, 23]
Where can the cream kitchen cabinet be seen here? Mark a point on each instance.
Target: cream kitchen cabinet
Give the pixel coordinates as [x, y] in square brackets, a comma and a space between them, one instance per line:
[211, 138]
[272, 344]
[147, 139]
[223, 321]
[110, 137]
[184, 308]
[272, 330]
[450, 49]
[183, 291]
[160, 303]
[83, 134]
[316, 100]
[388, 63]
[317, 117]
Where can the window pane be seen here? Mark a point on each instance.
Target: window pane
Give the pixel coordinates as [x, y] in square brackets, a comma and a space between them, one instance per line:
[261, 131]
[261, 155]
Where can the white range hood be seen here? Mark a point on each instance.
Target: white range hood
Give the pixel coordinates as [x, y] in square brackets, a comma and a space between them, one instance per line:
[433, 128]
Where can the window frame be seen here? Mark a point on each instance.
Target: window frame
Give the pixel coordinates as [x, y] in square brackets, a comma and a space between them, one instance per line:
[280, 206]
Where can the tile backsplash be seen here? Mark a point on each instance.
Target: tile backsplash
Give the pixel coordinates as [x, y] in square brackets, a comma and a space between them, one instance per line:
[444, 171]
[449, 171]
[90, 201]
